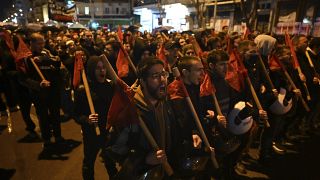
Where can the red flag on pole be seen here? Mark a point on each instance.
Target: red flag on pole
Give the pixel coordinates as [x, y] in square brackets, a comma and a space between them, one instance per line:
[246, 33]
[229, 45]
[161, 54]
[234, 75]
[9, 42]
[122, 64]
[206, 87]
[22, 52]
[196, 46]
[273, 63]
[176, 90]
[289, 43]
[78, 66]
[122, 111]
[120, 34]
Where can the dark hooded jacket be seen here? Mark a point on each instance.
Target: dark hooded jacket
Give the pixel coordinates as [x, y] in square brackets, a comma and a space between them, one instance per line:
[101, 93]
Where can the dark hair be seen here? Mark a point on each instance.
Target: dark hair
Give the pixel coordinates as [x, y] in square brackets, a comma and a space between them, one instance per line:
[186, 62]
[315, 42]
[296, 38]
[212, 43]
[91, 67]
[217, 55]
[280, 50]
[243, 44]
[145, 65]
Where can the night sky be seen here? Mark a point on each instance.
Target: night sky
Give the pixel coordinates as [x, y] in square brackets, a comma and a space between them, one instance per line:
[4, 7]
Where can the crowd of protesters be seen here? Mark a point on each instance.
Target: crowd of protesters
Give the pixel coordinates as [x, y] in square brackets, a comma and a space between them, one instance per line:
[244, 89]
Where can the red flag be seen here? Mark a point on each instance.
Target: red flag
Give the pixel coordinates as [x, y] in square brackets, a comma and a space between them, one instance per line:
[176, 90]
[196, 46]
[273, 63]
[122, 64]
[78, 66]
[246, 33]
[206, 87]
[289, 43]
[122, 111]
[229, 45]
[119, 32]
[161, 54]
[9, 42]
[235, 71]
[23, 51]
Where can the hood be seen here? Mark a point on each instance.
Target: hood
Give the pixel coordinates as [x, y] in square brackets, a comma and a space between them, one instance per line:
[140, 99]
[265, 44]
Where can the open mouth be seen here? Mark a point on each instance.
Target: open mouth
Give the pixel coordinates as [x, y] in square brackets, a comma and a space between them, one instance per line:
[162, 89]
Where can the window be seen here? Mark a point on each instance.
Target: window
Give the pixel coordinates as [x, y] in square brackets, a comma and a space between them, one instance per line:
[117, 10]
[124, 11]
[106, 11]
[86, 10]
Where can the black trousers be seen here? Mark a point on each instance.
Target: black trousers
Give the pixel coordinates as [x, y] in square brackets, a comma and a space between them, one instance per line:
[8, 85]
[25, 106]
[48, 110]
[92, 144]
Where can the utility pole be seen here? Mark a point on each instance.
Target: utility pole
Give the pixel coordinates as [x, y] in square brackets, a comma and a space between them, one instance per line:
[215, 13]
[92, 10]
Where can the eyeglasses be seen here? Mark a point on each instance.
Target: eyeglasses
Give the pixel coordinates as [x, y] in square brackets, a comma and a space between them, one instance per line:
[190, 53]
[164, 74]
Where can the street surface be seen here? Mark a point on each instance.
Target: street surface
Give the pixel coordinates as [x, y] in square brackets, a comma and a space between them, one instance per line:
[21, 159]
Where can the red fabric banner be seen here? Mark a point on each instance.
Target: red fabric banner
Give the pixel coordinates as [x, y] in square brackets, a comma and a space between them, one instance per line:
[122, 111]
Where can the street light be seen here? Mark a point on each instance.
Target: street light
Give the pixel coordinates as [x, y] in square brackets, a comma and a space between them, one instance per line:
[20, 10]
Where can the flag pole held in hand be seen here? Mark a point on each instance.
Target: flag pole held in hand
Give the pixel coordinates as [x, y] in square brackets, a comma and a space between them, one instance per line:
[114, 77]
[176, 73]
[78, 59]
[154, 145]
[37, 69]
[304, 103]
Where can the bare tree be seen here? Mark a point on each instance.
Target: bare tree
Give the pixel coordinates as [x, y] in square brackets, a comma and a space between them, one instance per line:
[200, 12]
[249, 12]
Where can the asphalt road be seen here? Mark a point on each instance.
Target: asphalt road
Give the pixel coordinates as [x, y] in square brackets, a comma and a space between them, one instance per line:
[21, 159]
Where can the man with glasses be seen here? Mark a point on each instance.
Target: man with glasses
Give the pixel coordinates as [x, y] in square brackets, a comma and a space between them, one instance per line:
[153, 108]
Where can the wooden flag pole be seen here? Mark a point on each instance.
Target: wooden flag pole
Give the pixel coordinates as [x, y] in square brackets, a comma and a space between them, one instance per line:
[37, 69]
[87, 90]
[312, 66]
[266, 74]
[127, 56]
[197, 120]
[254, 94]
[256, 100]
[154, 145]
[88, 94]
[113, 75]
[304, 103]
